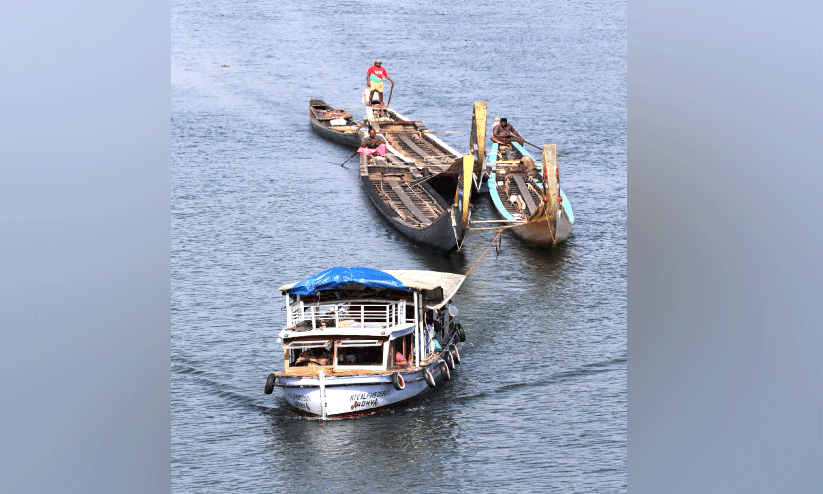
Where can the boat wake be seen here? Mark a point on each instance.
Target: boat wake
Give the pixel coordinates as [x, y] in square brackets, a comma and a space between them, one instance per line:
[219, 389]
[612, 365]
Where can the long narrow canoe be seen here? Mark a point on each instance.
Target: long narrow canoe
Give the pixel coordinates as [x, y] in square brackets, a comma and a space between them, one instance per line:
[527, 196]
[404, 198]
[414, 141]
[334, 124]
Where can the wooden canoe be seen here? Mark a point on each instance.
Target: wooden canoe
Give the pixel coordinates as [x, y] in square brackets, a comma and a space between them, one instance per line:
[404, 198]
[414, 141]
[334, 124]
[527, 198]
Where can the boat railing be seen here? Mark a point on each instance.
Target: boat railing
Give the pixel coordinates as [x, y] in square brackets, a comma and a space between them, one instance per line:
[350, 314]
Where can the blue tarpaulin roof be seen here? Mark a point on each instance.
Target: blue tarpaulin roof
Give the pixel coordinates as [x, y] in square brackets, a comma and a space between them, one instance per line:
[340, 277]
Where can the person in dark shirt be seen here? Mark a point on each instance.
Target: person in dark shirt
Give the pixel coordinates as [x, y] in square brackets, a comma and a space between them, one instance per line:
[504, 133]
[373, 144]
[373, 140]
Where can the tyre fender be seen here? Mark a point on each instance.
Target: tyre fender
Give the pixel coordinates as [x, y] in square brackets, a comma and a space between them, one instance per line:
[461, 335]
[444, 371]
[270, 384]
[427, 376]
[455, 353]
[447, 357]
[397, 381]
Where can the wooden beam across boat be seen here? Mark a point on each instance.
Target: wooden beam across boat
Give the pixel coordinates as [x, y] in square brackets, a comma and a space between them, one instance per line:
[406, 200]
[414, 147]
[525, 194]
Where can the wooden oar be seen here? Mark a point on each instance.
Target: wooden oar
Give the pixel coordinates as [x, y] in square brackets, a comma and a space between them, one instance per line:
[347, 160]
[390, 91]
[530, 144]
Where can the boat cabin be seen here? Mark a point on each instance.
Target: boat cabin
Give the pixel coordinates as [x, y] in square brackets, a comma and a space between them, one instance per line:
[353, 328]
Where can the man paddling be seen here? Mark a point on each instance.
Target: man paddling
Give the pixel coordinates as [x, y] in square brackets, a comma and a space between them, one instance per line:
[374, 80]
[504, 133]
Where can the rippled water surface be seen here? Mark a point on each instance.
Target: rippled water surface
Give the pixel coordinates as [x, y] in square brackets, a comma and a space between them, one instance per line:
[258, 200]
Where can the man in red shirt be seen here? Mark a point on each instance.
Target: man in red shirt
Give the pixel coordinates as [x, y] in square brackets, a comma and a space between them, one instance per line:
[374, 80]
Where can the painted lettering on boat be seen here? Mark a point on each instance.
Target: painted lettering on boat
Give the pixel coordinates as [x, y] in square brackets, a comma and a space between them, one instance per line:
[366, 396]
[301, 405]
[297, 398]
[364, 403]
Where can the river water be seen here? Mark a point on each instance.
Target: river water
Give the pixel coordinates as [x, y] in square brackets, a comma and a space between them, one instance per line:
[258, 200]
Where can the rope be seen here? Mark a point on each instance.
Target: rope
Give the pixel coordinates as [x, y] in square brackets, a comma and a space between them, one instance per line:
[415, 182]
[454, 229]
[487, 249]
[549, 224]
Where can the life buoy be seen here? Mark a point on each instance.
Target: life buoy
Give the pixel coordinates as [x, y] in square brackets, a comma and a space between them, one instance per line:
[270, 384]
[449, 360]
[455, 353]
[461, 335]
[397, 381]
[444, 371]
[428, 378]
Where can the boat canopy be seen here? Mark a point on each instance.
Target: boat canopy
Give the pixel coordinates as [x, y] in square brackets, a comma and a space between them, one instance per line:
[441, 287]
[343, 278]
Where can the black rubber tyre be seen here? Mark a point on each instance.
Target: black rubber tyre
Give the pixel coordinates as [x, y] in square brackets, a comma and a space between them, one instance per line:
[455, 354]
[270, 384]
[447, 357]
[461, 335]
[397, 381]
[444, 371]
[427, 376]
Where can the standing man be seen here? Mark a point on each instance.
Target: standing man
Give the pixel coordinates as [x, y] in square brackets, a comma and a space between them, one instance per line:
[504, 133]
[374, 80]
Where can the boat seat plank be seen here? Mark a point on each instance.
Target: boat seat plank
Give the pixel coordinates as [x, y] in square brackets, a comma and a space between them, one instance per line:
[395, 160]
[413, 146]
[406, 200]
[525, 193]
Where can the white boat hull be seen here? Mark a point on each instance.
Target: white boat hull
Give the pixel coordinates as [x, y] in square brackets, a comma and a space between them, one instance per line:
[352, 396]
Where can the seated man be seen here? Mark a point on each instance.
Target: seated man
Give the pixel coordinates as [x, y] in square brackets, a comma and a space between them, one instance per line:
[373, 144]
[504, 133]
[399, 359]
